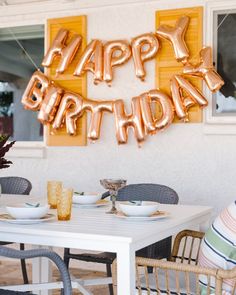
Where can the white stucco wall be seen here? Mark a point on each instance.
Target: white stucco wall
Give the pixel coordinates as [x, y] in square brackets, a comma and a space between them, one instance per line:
[200, 167]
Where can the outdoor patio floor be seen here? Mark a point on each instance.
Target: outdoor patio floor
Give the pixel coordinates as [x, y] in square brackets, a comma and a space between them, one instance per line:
[10, 273]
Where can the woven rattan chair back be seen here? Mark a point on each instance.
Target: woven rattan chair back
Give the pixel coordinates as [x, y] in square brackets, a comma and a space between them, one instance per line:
[174, 278]
[181, 275]
[15, 185]
[186, 247]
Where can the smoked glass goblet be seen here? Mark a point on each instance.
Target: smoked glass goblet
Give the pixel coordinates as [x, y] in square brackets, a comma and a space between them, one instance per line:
[113, 185]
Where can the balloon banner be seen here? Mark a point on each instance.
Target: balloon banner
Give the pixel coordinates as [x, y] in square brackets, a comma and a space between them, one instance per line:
[115, 53]
[58, 106]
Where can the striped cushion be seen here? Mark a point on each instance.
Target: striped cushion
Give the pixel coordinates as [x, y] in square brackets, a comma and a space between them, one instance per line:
[218, 249]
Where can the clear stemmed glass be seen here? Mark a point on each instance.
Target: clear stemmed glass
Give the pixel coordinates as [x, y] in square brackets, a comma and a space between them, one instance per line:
[113, 185]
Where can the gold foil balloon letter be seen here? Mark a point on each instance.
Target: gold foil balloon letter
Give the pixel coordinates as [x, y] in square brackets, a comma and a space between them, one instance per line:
[93, 50]
[152, 124]
[60, 49]
[140, 55]
[115, 53]
[73, 106]
[176, 36]
[69, 111]
[124, 121]
[43, 95]
[205, 70]
[50, 104]
[179, 84]
[97, 107]
[35, 91]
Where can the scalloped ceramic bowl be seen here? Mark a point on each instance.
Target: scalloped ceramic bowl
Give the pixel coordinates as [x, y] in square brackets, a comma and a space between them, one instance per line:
[22, 211]
[86, 199]
[138, 208]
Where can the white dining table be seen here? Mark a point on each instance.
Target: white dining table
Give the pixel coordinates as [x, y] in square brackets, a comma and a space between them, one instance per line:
[93, 229]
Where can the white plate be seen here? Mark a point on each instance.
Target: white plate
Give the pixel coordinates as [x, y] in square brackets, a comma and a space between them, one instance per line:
[7, 218]
[157, 216]
[98, 204]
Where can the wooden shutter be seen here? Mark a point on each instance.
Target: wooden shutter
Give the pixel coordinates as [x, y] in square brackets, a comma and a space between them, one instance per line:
[77, 25]
[166, 64]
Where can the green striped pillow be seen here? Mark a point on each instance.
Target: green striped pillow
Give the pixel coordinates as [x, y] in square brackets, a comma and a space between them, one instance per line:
[218, 248]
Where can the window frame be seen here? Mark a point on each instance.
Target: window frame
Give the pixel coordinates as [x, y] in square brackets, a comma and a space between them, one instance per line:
[220, 124]
[27, 149]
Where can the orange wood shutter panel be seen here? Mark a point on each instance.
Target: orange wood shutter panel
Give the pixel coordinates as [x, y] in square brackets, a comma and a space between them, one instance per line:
[166, 64]
[77, 25]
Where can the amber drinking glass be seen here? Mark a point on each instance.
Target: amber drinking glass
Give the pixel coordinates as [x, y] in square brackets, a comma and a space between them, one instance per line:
[64, 204]
[54, 189]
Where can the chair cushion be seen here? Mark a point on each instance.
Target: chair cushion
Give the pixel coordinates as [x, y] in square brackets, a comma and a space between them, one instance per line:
[172, 283]
[218, 248]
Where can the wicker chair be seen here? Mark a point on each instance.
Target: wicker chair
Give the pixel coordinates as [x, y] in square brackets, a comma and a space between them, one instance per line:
[142, 191]
[181, 274]
[16, 186]
[26, 254]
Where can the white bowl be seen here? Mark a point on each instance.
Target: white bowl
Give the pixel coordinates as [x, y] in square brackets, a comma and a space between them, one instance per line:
[22, 211]
[138, 208]
[87, 198]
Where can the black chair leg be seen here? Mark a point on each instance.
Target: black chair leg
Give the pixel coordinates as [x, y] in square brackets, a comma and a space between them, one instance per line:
[66, 257]
[108, 267]
[23, 267]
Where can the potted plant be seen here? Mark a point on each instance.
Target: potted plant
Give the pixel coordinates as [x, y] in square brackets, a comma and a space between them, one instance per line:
[4, 148]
